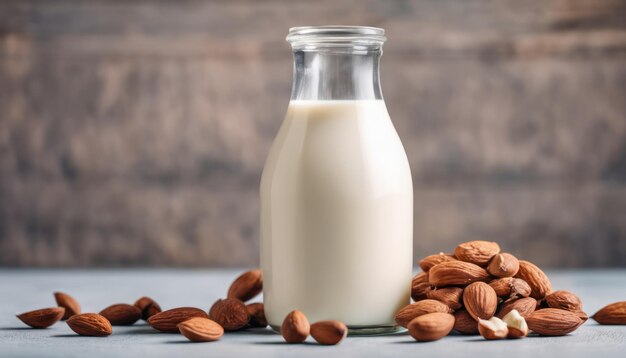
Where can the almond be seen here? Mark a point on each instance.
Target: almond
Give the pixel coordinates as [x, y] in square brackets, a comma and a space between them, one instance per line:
[167, 321]
[456, 273]
[295, 327]
[582, 315]
[477, 252]
[480, 300]
[553, 322]
[42, 318]
[564, 300]
[68, 302]
[230, 313]
[409, 312]
[464, 323]
[257, 315]
[329, 332]
[121, 314]
[90, 324]
[509, 287]
[493, 328]
[420, 286]
[429, 261]
[615, 313]
[431, 326]
[200, 329]
[503, 265]
[516, 324]
[450, 296]
[148, 307]
[537, 280]
[246, 286]
[525, 306]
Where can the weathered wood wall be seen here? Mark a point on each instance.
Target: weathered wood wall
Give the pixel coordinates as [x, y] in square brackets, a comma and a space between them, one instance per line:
[134, 132]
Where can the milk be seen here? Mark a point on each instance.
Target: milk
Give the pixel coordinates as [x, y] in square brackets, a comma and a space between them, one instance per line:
[337, 215]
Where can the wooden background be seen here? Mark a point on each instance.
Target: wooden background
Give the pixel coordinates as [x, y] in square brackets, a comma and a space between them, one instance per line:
[134, 132]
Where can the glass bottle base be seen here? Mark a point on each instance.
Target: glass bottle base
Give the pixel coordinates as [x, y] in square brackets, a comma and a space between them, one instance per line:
[364, 330]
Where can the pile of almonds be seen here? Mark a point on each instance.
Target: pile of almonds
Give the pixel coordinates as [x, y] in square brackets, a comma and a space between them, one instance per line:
[480, 290]
[476, 290]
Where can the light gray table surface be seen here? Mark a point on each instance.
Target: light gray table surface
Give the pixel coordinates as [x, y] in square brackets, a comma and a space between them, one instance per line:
[24, 290]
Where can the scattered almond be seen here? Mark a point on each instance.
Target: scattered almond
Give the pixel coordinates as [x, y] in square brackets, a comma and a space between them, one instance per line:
[148, 307]
[200, 329]
[329, 332]
[257, 315]
[503, 265]
[615, 313]
[90, 324]
[480, 300]
[121, 314]
[167, 321]
[68, 302]
[450, 296]
[537, 280]
[564, 300]
[493, 328]
[42, 318]
[464, 323]
[230, 313]
[431, 326]
[246, 286]
[295, 327]
[525, 306]
[409, 312]
[516, 324]
[456, 273]
[420, 286]
[477, 252]
[553, 322]
[429, 261]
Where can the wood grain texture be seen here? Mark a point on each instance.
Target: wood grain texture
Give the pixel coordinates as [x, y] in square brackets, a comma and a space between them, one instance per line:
[134, 133]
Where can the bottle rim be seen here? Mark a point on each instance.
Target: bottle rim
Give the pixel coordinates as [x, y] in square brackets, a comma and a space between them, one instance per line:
[336, 34]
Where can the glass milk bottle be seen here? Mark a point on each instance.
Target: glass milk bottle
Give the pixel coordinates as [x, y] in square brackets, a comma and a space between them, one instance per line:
[336, 190]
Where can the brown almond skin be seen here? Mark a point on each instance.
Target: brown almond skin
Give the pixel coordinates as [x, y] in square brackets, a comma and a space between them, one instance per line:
[553, 322]
[450, 296]
[121, 314]
[480, 300]
[503, 265]
[538, 281]
[420, 286]
[230, 313]
[68, 302]
[564, 300]
[42, 318]
[246, 286]
[431, 326]
[148, 307]
[510, 288]
[329, 332]
[295, 327]
[615, 313]
[429, 261]
[90, 324]
[525, 306]
[256, 312]
[464, 323]
[200, 329]
[167, 321]
[456, 273]
[477, 252]
[409, 312]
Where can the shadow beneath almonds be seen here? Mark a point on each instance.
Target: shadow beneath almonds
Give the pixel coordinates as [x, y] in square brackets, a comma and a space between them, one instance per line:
[254, 332]
[182, 342]
[146, 330]
[283, 343]
[68, 336]
[19, 328]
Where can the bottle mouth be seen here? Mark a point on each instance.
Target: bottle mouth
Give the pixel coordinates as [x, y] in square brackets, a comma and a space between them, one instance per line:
[336, 35]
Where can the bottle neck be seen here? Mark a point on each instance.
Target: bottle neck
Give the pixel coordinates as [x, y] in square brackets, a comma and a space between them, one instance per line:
[336, 74]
